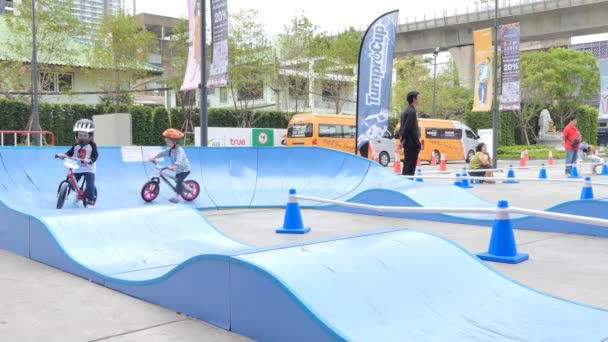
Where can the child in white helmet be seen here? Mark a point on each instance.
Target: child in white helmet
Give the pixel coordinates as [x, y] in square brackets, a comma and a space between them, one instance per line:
[85, 150]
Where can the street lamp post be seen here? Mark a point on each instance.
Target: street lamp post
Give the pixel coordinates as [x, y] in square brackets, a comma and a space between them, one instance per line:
[435, 53]
[203, 109]
[495, 102]
[36, 119]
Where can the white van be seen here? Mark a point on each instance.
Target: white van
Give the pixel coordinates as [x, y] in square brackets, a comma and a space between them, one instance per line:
[384, 148]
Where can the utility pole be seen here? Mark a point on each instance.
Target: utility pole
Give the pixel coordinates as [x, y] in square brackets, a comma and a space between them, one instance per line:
[435, 53]
[495, 102]
[36, 122]
[203, 85]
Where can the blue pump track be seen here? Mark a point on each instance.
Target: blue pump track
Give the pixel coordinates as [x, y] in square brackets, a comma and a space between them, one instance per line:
[392, 284]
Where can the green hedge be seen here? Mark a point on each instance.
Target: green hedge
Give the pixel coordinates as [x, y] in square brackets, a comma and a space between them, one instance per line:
[147, 123]
[483, 120]
[13, 116]
[534, 152]
[160, 124]
[141, 125]
[227, 117]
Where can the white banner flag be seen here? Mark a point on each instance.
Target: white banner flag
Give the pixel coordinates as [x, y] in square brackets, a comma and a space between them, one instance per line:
[218, 77]
[192, 79]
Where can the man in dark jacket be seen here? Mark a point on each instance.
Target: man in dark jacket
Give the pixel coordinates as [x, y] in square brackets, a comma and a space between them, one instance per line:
[409, 133]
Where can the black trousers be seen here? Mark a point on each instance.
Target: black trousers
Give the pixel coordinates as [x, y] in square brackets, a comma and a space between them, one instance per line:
[89, 184]
[363, 150]
[411, 158]
[179, 181]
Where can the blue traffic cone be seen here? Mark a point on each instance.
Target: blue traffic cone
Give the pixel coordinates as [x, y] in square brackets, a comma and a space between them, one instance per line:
[471, 181]
[510, 176]
[292, 223]
[502, 243]
[604, 170]
[574, 172]
[587, 191]
[458, 182]
[419, 178]
[543, 172]
[465, 183]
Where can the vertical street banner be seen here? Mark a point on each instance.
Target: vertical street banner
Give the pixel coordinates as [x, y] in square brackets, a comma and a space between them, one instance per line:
[510, 98]
[603, 64]
[192, 78]
[482, 42]
[374, 77]
[218, 75]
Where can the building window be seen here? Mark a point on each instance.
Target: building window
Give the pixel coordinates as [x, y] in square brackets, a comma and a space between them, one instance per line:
[330, 90]
[251, 91]
[47, 82]
[56, 83]
[223, 95]
[65, 82]
[298, 86]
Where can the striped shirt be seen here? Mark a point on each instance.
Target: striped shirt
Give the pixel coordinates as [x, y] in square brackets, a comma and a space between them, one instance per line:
[178, 157]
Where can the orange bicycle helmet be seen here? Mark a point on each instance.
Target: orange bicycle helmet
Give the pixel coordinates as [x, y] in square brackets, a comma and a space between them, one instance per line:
[173, 133]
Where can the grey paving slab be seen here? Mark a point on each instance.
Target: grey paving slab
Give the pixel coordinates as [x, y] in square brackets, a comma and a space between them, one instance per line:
[40, 303]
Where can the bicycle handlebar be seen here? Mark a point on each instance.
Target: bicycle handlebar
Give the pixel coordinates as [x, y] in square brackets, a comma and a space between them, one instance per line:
[86, 161]
[161, 168]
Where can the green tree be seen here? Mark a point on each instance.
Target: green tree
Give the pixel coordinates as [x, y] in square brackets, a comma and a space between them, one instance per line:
[178, 46]
[335, 73]
[452, 99]
[559, 78]
[415, 73]
[412, 74]
[120, 44]
[56, 49]
[250, 63]
[292, 72]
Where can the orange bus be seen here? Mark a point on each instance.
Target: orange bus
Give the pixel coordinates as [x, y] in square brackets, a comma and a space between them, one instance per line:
[453, 138]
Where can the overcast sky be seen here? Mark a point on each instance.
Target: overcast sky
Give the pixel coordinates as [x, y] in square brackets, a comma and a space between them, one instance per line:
[330, 15]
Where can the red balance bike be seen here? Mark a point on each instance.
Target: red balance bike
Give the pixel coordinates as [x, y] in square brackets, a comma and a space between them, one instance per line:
[151, 189]
[70, 184]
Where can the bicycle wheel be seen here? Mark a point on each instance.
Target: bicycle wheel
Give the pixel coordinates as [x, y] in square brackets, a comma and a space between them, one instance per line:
[150, 191]
[192, 193]
[62, 194]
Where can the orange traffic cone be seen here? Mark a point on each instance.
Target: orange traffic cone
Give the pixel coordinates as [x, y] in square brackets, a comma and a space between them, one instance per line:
[526, 154]
[371, 154]
[550, 161]
[397, 163]
[522, 159]
[433, 161]
[442, 163]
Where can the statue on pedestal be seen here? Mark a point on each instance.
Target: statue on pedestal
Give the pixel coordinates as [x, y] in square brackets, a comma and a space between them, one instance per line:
[545, 123]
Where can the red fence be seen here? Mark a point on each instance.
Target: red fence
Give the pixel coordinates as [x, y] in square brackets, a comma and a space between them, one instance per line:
[15, 134]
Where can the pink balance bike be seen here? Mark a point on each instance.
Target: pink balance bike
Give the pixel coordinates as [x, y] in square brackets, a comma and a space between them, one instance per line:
[151, 189]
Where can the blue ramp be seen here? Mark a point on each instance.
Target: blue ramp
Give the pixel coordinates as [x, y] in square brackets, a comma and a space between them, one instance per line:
[396, 286]
[402, 285]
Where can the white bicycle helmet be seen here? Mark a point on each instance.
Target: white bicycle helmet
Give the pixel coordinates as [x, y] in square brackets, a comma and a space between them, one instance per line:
[84, 125]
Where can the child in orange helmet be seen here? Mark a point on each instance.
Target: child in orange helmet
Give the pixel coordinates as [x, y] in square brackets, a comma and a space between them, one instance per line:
[179, 161]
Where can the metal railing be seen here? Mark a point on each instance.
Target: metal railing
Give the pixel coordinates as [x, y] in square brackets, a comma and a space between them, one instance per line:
[27, 134]
[477, 11]
[501, 213]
